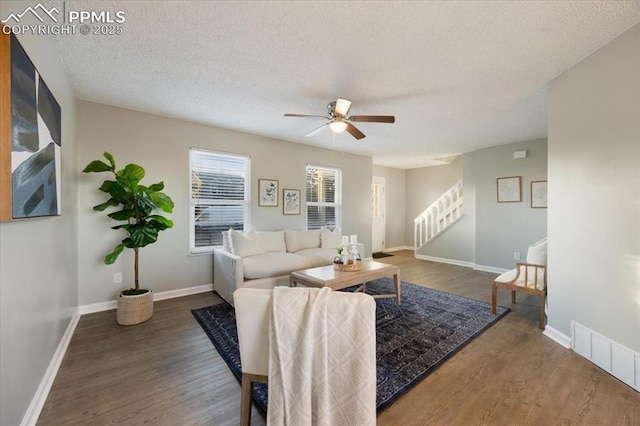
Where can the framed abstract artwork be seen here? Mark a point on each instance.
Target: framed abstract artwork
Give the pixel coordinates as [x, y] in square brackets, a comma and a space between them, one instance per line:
[509, 189]
[291, 201]
[268, 193]
[539, 194]
[30, 138]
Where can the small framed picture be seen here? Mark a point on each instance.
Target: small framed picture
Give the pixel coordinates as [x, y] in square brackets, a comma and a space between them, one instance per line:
[291, 201]
[510, 189]
[267, 193]
[539, 194]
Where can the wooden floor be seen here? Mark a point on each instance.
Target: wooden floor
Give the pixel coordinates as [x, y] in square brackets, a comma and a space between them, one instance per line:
[167, 372]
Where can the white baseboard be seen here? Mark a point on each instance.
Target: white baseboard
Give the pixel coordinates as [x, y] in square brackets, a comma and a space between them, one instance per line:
[171, 294]
[491, 269]
[97, 307]
[557, 337]
[35, 407]
[445, 260]
[386, 250]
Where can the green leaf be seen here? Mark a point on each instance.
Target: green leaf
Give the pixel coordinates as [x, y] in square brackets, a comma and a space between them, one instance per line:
[130, 176]
[124, 226]
[109, 157]
[162, 200]
[157, 187]
[145, 205]
[111, 257]
[160, 223]
[128, 243]
[143, 234]
[97, 166]
[124, 214]
[107, 185]
[111, 202]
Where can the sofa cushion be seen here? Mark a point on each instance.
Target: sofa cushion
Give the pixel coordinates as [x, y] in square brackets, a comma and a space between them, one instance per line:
[330, 239]
[245, 244]
[318, 256]
[300, 240]
[273, 264]
[272, 240]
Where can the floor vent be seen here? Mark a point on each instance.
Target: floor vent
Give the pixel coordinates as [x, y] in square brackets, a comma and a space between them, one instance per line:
[612, 357]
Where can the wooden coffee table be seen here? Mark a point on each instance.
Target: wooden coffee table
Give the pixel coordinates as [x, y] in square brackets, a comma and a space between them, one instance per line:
[327, 276]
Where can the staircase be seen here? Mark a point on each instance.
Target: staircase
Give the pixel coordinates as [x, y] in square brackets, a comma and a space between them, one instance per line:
[438, 217]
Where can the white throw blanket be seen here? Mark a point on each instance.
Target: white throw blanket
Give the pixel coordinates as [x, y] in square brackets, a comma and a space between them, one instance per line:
[322, 363]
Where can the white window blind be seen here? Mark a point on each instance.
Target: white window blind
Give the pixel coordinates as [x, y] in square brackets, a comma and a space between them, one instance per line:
[220, 197]
[324, 197]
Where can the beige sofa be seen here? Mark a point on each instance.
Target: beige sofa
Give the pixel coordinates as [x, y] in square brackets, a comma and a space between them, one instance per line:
[265, 259]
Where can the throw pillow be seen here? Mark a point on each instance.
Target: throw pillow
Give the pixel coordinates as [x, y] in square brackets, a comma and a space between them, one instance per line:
[330, 239]
[226, 241]
[537, 253]
[244, 245]
[272, 241]
[300, 240]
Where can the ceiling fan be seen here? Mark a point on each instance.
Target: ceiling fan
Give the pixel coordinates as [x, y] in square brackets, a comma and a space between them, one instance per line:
[339, 122]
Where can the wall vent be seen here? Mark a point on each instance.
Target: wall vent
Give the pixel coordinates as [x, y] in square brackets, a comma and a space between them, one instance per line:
[617, 360]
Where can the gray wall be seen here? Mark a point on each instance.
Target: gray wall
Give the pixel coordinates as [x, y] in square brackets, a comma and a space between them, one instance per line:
[395, 189]
[504, 228]
[490, 232]
[426, 185]
[38, 258]
[594, 193]
[161, 145]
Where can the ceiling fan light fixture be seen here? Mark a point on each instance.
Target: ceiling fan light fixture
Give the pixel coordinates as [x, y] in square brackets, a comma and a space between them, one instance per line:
[338, 126]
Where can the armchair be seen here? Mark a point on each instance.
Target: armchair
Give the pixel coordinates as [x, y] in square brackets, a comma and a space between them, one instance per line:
[529, 277]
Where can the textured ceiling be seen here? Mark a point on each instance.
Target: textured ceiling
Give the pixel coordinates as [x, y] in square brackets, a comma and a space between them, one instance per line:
[457, 75]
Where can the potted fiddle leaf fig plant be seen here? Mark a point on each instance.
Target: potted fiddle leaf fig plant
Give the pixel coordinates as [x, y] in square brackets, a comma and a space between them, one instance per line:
[137, 207]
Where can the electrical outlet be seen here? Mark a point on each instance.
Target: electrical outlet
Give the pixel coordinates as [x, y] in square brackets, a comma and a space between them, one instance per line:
[117, 278]
[516, 255]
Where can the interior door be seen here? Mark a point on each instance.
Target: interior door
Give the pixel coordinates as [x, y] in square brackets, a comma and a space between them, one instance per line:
[377, 211]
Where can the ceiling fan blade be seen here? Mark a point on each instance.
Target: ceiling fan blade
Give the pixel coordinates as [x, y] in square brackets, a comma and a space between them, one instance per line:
[373, 118]
[354, 131]
[305, 115]
[342, 107]
[315, 131]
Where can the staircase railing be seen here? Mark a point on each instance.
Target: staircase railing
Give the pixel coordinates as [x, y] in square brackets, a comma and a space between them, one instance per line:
[439, 216]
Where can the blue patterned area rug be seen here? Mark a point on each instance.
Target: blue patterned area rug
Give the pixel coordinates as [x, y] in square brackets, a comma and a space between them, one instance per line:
[413, 339]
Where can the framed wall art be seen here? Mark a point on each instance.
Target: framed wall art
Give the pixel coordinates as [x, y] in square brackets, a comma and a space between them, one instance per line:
[291, 201]
[267, 193]
[539, 194]
[30, 137]
[509, 189]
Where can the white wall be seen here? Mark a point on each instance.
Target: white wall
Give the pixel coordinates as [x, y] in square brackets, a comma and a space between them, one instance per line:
[38, 258]
[161, 146]
[594, 193]
[395, 199]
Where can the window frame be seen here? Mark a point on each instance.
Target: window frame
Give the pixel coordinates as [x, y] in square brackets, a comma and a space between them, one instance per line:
[337, 196]
[193, 202]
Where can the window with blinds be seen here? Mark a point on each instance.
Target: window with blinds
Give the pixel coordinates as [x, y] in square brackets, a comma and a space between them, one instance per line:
[324, 197]
[220, 197]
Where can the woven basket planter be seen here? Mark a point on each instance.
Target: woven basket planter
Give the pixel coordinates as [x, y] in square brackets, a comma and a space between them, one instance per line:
[135, 309]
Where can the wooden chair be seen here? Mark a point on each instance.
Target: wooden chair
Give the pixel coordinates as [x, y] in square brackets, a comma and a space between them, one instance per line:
[252, 318]
[529, 277]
